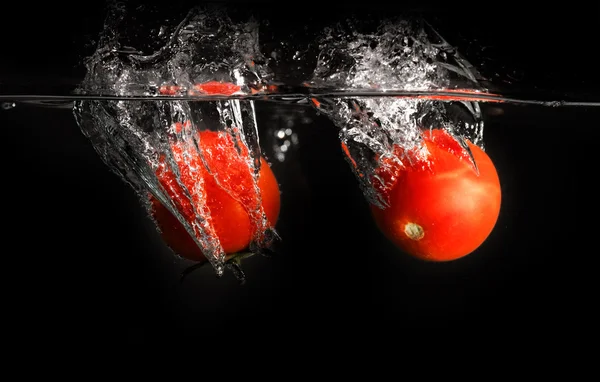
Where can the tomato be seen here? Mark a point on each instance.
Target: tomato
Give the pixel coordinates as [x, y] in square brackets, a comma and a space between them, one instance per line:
[210, 87]
[227, 192]
[440, 208]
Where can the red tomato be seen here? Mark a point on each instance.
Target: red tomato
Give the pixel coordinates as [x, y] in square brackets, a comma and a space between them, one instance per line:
[210, 87]
[228, 192]
[440, 209]
[217, 88]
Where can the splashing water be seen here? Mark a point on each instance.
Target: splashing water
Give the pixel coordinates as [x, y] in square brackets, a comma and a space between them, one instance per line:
[401, 55]
[208, 53]
[142, 141]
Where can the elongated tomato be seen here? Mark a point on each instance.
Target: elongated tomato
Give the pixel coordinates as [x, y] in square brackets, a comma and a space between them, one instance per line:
[440, 208]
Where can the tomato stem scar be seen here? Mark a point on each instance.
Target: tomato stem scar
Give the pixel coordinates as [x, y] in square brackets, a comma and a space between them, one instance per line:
[414, 231]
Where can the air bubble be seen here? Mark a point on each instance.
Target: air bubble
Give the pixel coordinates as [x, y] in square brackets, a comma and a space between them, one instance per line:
[8, 105]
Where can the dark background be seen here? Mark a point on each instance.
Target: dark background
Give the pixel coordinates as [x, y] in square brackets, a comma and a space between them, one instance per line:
[82, 261]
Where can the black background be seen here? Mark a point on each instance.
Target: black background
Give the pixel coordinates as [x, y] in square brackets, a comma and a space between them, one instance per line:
[82, 261]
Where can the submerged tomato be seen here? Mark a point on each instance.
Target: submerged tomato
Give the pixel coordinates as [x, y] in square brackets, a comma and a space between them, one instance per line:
[227, 192]
[440, 209]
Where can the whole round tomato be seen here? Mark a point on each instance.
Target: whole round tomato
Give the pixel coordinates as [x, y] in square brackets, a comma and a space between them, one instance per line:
[440, 208]
[227, 192]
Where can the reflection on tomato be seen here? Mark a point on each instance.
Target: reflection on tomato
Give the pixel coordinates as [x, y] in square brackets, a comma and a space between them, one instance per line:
[440, 208]
[228, 193]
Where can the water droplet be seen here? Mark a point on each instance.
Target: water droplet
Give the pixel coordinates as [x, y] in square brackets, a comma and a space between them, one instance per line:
[8, 105]
[295, 139]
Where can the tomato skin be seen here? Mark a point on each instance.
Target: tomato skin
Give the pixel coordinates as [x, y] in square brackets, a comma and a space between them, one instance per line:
[443, 211]
[210, 87]
[229, 217]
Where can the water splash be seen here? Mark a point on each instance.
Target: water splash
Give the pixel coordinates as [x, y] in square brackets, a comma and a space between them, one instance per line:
[137, 140]
[207, 45]
[396, 55]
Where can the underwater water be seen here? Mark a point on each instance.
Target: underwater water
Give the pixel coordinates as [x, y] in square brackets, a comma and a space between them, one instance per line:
[87, 245]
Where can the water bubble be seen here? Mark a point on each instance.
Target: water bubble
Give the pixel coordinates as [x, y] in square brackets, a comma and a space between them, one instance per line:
[8, 105]
[285, 139]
